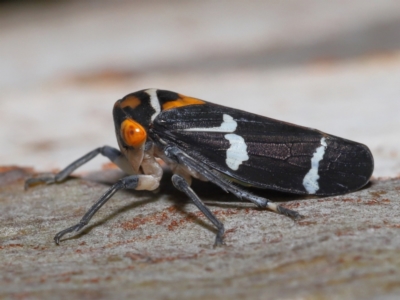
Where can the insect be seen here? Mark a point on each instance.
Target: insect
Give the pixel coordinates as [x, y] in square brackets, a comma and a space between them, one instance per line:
[231, 148]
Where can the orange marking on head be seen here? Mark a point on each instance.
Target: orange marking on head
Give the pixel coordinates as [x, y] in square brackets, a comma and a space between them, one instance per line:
[133, 133]
[130, 101]
[182, 101]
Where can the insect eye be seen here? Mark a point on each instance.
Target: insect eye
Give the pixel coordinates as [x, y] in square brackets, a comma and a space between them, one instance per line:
[133, 133]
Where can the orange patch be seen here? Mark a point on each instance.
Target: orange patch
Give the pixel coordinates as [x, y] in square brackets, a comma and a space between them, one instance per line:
[133, 133]
[109, 166]
[130, 101]
[182, 101]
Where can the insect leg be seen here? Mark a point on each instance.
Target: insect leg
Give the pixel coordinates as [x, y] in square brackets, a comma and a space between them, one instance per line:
[181, 184]
[113, 154]
[222, 182]
[129, 182]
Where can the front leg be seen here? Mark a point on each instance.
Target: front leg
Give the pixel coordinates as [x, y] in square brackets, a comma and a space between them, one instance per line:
[135, 182]
[112, 154]
[181, 184]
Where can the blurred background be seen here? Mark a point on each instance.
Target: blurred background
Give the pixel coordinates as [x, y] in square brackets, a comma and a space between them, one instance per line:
[331, 65]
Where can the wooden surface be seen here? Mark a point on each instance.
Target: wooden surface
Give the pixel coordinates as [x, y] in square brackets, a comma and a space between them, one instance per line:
[157, 246]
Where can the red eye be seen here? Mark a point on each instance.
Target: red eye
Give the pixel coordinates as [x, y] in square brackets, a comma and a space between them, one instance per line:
[133, 133]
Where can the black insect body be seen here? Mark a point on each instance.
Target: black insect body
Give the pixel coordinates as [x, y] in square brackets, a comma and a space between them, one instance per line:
[229, 147]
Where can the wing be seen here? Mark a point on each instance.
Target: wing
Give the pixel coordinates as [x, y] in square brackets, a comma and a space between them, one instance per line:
[266, 153]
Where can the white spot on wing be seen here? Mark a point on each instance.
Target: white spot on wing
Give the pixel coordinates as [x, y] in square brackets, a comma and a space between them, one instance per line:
[154, 102]
[237, 152]
[228, 125]
[310, 181]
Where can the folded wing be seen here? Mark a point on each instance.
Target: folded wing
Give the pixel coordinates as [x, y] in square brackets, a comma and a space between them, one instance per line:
[266, 153]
